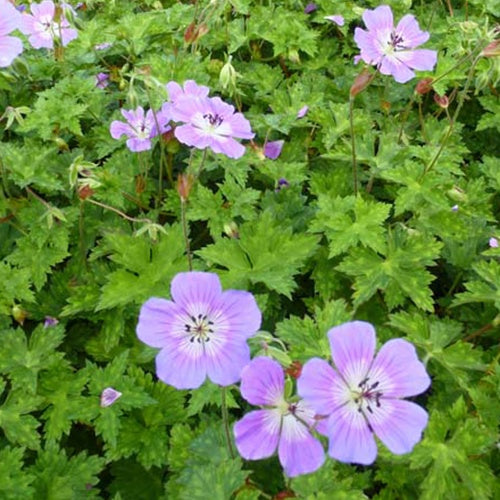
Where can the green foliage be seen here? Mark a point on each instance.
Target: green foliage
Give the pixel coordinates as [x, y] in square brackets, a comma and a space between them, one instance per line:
[89, 230]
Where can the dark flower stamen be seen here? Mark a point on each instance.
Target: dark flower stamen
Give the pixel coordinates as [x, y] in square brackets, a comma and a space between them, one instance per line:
[199, 328]
[214, 120]
[397, 41]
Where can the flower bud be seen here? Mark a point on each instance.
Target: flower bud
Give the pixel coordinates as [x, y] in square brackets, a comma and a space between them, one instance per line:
[85, 192]
[441, 101]
[19, 314]
[295, 369]
[492, 50]
[231, 229]
[361, 82]
[424, 86]
[184, 185]
[228, 76]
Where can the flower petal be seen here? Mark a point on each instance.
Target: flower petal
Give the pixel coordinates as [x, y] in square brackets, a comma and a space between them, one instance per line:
[410, 31]
[398, 371]
[379, 18]
[398, 424]
[118, 128]
[257, 434]
[182, 363]
[136, 144]
[420, 59]
[351, 439]
[159, 320]
[196, 292]
[263, 382]
[227, 146]
[237, 313]
[353, 347]
[226, 358]
[321, 387]
[299, 452]
[10, 48]
[10, 18]
[392, 65]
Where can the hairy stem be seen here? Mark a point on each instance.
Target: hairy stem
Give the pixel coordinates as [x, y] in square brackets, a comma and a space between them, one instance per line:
[225, 419]
[353, 146]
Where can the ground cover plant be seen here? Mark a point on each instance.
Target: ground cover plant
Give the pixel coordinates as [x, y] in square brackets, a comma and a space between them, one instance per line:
[249, 249]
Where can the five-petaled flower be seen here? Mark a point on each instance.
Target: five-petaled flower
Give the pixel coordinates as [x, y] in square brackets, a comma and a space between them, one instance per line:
[202, 332]
[140, 127]
[280, 424]
[392, 49]
[46, 24]
[10, 46]
[208, 122]
[361, 396]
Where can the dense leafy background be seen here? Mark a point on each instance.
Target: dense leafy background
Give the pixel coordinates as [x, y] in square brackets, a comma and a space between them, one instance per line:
[409, 254]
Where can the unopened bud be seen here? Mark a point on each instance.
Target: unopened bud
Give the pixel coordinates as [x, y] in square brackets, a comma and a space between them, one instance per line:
[441, 101]
[492, 50]
[295, 369]
[19, 314]
[140, 184]
[184, 185]
[424, 86]
[228, 76]
[361, 82]
[385, 105]
[193, 33]
[231, 229]
[85, 192]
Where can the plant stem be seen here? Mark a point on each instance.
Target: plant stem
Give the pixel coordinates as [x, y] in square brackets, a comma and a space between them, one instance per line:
[119, 212]
[353, 146]
[225, 419]
[461, 100]
[186, 235]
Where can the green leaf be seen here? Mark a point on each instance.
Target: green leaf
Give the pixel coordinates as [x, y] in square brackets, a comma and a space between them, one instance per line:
[348, 222]
[15, 482]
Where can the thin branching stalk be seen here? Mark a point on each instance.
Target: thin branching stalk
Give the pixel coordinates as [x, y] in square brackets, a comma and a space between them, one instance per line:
[186, 234]
[353, 146]
[225, 419]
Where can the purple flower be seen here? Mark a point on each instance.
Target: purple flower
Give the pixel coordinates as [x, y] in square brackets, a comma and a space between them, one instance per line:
[282, 183]
[191, 89]
[273, 149]
[454, 208]
[210, 123]
[281, 424]
[10, 46]
[302, 111]
[109, 396]
[362, 395]
[43, 29]
[101, 80]
[310, 8]
[337, 19]
[203, 331]
[392, 49]
[50, 321]
[140, 128]
[103, 46]
[493, 242]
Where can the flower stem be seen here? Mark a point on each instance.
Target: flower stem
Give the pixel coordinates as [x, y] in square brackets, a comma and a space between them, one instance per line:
[119, 212]
[353, 146]
[225, 419]
[461, 101]
[186, 235]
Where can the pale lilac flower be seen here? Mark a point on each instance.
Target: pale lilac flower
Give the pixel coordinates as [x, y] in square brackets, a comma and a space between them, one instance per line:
[190, 89]
[50, 321]
[202, 332]
[362, 396]
[101, 80]
[272, 149]
[337, 19]
[10, 46]
[43, 29]
[140, 128]
[454, 208]
[392, 49]
[103, 46]
[310, 8]
[279, 425]
[493, 243]
[109, 396]
[302, 111]
[211, 123]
